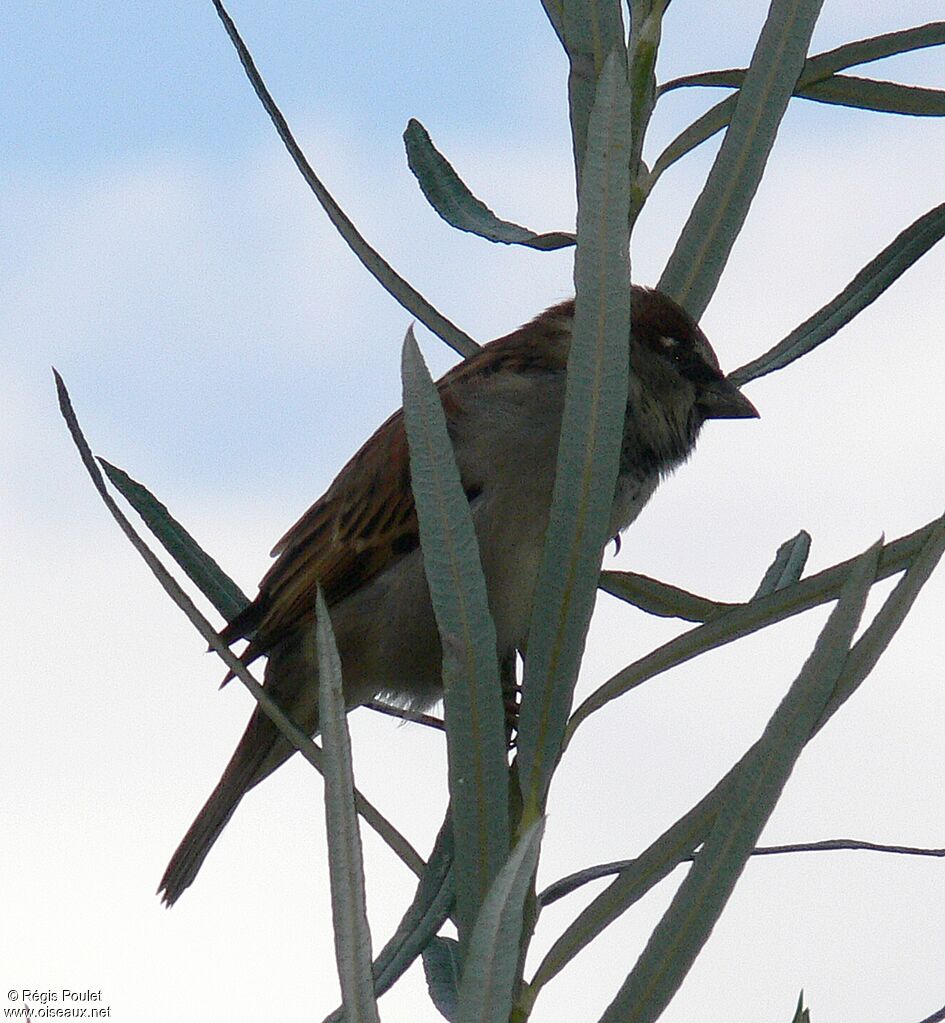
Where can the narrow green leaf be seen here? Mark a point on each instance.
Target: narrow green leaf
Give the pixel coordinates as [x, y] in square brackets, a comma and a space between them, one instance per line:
[742, 620]
[646, 871]
[491, 965]
[454, 202]
[474, 712]
[374, 263]
[918, 553]
[572, 882]
[661, 599]
[703, 248]
[431, 907]
[822, 65]
[881, 271]
[553, 8]
[838, 90]
[210, 579]
[589, 448]
[646, 25]
[817, 70]
[787, 566]
[442, 967]
[889, 44]
[302, 742]
[884, 97]
[878, 635]
[701, 129]
[590, 30]
[801, 1015]
[345, 862]
[700, 899]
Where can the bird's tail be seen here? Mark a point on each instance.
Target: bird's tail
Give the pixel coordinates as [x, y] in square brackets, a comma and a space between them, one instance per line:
[261, 749]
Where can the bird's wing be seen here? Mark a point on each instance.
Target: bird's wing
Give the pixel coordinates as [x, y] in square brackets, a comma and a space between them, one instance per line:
[366, 521]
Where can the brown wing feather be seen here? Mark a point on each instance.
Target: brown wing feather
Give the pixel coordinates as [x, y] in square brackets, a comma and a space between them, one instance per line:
[366, 520]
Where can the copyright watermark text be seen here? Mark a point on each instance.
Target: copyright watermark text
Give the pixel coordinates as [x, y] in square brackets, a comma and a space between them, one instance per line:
[55, 1003]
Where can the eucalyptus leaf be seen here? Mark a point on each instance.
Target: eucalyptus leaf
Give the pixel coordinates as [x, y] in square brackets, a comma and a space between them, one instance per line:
[345, 860]
[822, 65]
[815, 83]
[884, 97]
[879, 633]
[302, 742]
[429, 910]
[693, 135]
[454, 202]
[474, 711]
[888, 44]
[646, 22]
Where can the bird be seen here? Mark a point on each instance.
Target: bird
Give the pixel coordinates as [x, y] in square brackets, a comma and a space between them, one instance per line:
[360, 541]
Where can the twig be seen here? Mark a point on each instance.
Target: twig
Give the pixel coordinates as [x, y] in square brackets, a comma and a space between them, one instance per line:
[558, 889]
[405, 714]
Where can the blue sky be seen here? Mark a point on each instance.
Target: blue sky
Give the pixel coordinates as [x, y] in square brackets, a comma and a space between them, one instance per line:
[222, 345]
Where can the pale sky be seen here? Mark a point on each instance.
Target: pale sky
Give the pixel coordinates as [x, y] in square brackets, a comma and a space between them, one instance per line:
[223, 347]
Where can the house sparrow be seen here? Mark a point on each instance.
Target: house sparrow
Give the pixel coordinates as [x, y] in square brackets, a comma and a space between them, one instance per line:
[503, 408]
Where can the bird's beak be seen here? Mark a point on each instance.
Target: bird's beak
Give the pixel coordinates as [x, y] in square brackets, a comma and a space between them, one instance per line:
[721, 399]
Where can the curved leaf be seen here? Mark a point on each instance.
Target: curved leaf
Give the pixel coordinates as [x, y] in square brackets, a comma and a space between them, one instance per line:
[454, 202]
[685, 927]
[822, 65]
[742, 620]
[817, 71]
[442, 967]
[701, 129]
[302, 742]
[385, 274]
[431, 907]
[884, 97]
[590, 30]
[661, 599]
[878, 274]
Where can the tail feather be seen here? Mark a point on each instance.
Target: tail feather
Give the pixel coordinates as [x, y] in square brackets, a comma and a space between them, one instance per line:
[292, 681]
[260, 751]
